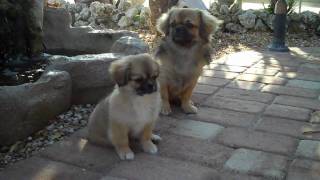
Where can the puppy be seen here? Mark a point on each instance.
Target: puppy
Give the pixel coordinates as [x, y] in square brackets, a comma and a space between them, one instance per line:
[182, 53]
[131, 110]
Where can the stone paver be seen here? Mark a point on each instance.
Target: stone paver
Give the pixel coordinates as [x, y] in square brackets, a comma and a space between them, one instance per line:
[213, 81]
[198, 98]
[288, 127]
[205, 89]
[37, 168]
[220, 74]
[304, 169]
[219, 67]
[239, 137]
[257, 163]
[310, 68]
[298, 102]
[304, 84]
[245, 95]
[281, 62]
[224, 117]
[79, 152]
[235, 104]
[299, 75]
[275, 67]
[196, 129]
[262, 79]
[292, 91]
[195, 150]
[254, 86]
[309, 149]
[157, 168]
[261, 71]
[289, 112]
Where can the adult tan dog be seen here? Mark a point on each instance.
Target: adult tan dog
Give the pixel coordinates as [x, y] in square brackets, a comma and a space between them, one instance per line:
[131, 110]
[183, 52]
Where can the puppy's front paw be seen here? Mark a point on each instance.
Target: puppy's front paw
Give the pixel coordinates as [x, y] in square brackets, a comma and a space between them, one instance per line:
[149, 147]
[155, 138]
[126, 155]
[166, 109]
[190, 108]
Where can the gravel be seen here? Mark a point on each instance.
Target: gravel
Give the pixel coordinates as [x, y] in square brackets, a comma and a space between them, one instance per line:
[63, 126]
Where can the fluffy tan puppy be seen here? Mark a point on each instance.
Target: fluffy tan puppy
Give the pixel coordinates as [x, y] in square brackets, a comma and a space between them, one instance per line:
[184, 50]
[131, 110]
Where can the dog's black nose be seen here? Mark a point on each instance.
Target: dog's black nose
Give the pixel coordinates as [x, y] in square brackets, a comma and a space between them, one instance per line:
[181, 30]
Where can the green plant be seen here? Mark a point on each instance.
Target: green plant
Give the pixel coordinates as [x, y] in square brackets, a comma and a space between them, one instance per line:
[291, 4]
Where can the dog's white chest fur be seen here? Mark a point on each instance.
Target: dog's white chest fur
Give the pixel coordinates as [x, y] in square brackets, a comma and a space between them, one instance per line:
[142, 110]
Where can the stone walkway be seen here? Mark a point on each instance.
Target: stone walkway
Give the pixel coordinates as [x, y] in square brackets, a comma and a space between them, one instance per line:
[254, 108]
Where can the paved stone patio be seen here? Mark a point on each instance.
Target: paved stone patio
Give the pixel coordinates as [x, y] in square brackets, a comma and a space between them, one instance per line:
[254, 108]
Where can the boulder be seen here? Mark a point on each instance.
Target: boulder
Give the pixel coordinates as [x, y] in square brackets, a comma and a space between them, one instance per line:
[234, 28]
[85, 14]
[224, 9]
[89, 74]
[130, 45]
[318, 31]
[248, 19]
[260, 26]
[311, 19]
[124, 5]
[61, 39]
[27, 108]
[125, 22]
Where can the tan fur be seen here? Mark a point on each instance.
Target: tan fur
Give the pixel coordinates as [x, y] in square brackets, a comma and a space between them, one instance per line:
[124, 113]
[181, 65]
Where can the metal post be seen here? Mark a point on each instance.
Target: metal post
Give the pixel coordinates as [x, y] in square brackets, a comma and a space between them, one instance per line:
[279, 30]
[300, 3]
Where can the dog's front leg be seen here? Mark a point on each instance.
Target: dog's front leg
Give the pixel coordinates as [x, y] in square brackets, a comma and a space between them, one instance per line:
[146, 139]
[166, 109]
[120, 140]
[186, 103]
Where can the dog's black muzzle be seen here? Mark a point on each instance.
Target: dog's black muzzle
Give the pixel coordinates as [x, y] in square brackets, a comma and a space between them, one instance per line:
[181, 35]
[147, 87]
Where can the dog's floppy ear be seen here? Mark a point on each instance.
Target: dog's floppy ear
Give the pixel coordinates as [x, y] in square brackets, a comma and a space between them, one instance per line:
[119, 71]
[163, 23]
[208, 25]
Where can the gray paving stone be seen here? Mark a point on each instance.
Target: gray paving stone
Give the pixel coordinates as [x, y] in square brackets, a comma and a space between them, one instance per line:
[292, 91]
[197, 129]
[227, 175]
[223, 117]
[288, 127]
[304, 84]
[275, 67]
[254, 86]
[220, 74]
[309, 149]
[299, 75]
[269, 142]
[37, 168]
[257, 163]
[262, 79]
[298, 102]
[204, 89]
[284, 61]
[235, 104]
[302, 169]
[191, 149]
[289, 112]
[79, 152]
[242, 59]
[310, 68]
[261, 71]
[220, 67]
[158, 168]
[245, 95]
[198, 98]
[213, 81]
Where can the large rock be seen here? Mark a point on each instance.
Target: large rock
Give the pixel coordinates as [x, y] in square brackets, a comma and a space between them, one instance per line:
[130, 45]
[311, 19]
[60, 38]
[89, 73]
[248, 19]
[260, 26]
[318, 30]
[28, 108]
[235, 28]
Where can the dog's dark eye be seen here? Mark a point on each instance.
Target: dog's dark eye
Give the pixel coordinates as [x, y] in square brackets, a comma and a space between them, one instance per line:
[138, 80]
[189, 25]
